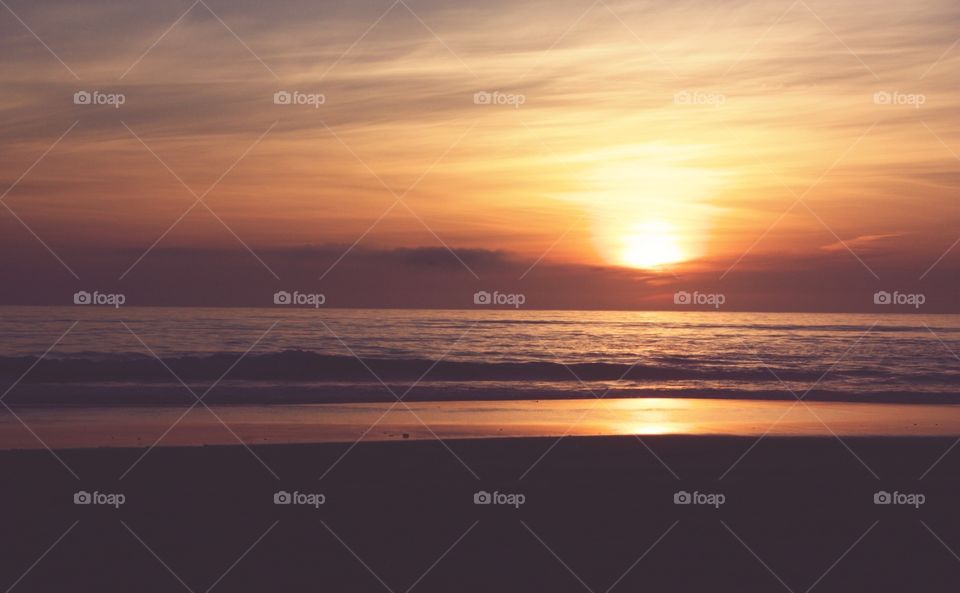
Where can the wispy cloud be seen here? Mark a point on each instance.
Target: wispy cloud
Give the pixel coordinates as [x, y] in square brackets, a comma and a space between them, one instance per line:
[758, 102]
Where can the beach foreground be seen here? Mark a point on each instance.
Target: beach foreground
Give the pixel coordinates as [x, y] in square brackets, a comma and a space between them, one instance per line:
[591, 514]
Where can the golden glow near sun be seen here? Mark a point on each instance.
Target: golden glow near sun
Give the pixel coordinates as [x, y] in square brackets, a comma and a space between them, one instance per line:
[649, 205]
[650, 245]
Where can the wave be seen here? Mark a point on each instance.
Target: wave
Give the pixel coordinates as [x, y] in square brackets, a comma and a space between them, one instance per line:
[305, 366]
[266, 393]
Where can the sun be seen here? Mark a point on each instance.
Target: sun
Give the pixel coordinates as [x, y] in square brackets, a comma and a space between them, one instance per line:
[650, 206]
[650, 244]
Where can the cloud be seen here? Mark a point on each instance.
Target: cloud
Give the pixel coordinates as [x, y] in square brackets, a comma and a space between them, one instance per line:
[599, 110]
[863, 243]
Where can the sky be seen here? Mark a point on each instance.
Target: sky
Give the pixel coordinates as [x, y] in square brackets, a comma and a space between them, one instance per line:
[795, 155]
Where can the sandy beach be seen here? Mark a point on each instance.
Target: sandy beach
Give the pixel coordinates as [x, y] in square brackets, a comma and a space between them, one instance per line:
[598, 514]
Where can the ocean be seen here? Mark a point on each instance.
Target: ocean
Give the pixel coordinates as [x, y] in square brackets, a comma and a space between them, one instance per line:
[317, 355]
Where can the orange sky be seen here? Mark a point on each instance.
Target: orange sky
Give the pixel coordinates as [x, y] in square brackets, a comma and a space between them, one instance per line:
[710, 136]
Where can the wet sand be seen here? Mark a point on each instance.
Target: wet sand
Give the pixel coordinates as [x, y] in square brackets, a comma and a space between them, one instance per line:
[65, 427]
[793, 488]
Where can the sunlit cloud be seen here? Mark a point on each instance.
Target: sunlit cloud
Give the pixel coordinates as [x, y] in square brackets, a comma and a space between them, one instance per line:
[664, 138]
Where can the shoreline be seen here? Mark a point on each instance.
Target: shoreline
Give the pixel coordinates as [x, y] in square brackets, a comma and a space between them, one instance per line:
[670, 440]
[291, 393]
[80, 427]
